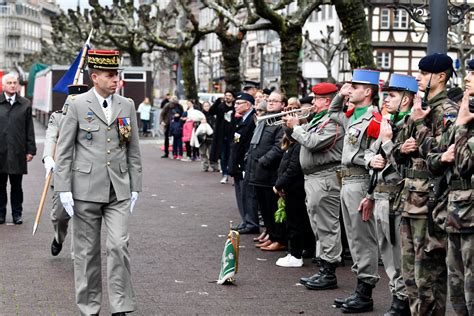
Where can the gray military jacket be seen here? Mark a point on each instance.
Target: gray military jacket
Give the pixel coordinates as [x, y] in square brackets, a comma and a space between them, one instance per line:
[321, 144]
[52, 131]
[90, 157]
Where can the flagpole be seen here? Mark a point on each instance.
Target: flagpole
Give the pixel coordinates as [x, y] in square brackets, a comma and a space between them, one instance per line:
[83, 58]
[39, 212]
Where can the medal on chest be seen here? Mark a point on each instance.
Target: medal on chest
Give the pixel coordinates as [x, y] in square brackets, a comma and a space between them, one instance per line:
[124, 129]
[353, 135]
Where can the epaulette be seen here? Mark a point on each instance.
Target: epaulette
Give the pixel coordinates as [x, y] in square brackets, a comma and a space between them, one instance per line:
[58, 111]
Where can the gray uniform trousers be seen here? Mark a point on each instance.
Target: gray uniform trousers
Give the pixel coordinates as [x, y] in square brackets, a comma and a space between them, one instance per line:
[362, 236]
[86, 238]
[323, 202]
[60, 219]
[391, 254]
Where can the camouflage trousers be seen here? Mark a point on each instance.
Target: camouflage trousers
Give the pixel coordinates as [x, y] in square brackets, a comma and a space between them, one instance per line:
[424, 267]
[461, 272]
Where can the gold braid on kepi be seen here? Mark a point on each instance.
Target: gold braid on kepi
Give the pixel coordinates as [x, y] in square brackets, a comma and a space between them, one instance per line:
[103, 59]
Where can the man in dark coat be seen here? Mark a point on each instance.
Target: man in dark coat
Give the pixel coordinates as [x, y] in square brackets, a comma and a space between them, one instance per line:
[263, 160]
[17, 146]
[244, 127]
[166, 117]
[223, 132]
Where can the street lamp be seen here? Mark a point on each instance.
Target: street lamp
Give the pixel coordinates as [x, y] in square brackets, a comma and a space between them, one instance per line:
[261, 42]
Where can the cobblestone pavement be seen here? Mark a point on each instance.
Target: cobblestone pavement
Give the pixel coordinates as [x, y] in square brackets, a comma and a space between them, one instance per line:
[177, 235]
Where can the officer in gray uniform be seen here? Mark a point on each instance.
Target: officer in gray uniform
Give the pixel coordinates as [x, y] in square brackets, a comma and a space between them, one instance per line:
[59, 216]
[385, 186]
[98, 177]
[362, 127]
[320, 156]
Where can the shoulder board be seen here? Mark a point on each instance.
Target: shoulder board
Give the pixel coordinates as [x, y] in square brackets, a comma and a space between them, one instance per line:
[58, 111]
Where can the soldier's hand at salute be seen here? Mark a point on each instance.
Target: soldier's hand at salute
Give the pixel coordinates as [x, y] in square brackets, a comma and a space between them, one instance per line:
[366, 206]
[386, 132]
[345, 89]
[417, 112]
[378, 162]
[464, 115]
[409, 146]
[448, 155]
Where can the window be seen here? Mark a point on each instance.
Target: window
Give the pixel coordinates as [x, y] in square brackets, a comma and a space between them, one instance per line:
[253, 60]
[384, 60]
[385, 18]
[400, 19]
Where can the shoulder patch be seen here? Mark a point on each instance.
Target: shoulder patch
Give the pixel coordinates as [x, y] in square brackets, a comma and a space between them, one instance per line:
[65, 107]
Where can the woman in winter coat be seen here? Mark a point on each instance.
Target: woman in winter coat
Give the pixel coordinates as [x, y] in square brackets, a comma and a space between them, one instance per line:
[290, 186]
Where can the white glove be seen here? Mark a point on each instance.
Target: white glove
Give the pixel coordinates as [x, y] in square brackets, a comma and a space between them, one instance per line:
[67, 202]
[133, 200]
[49, 164]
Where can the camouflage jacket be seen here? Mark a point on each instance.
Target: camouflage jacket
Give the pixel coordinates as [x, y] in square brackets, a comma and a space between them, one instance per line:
[428, 132]
[459, 213]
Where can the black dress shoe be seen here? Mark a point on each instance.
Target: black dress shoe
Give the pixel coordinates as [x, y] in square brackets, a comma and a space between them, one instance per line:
[56, 247]
[164, 156]
[17, 220]
[118, 314]
[248, 230]
[2, 220]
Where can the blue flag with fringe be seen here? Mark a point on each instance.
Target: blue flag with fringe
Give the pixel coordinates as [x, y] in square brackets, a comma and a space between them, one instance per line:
[68, 77]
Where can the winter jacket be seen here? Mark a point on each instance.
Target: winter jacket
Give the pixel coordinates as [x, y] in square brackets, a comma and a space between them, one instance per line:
[290, 176]
[264, 157]
[18, 135]
[188, 130]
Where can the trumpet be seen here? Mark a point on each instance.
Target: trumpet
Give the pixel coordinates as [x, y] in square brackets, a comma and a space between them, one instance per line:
[277, 118]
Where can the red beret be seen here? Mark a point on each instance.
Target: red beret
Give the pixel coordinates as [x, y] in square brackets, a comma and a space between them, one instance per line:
[324, 88]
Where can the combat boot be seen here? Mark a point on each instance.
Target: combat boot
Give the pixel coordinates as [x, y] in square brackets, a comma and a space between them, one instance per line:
[338, 302]
[327, 278]
[399, 307]
[305, 280]
[362, 302]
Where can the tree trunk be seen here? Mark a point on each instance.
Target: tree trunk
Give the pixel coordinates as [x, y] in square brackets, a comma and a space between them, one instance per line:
[186, 58]
[352, 16]
[231, 54]
[291, 44]
[136, 58]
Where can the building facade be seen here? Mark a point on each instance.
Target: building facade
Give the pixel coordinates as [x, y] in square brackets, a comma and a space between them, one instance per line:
[398, 44]
[25, 23]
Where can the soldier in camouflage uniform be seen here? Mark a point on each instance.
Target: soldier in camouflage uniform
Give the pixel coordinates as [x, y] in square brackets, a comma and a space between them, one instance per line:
[398, 102]
[423, 243]
[454, 160]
